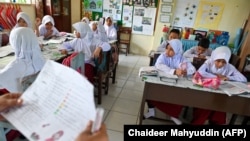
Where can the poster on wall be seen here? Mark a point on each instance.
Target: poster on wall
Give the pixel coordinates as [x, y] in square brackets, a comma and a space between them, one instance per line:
[209, 15]
[143, 20]
[127, 16]
[185, 13]
[112, 8]
[93, 5]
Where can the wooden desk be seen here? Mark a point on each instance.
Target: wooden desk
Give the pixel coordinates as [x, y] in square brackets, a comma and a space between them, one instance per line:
[213, 100]
[50, 52]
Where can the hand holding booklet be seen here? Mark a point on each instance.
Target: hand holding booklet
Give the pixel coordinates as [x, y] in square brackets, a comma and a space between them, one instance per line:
[57, 106]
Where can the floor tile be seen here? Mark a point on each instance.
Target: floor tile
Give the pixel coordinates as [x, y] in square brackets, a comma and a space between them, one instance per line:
[126, 106]
[115, 120]
[115, 136]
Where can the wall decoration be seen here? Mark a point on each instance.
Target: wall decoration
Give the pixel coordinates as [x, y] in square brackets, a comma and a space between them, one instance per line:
[185, 13]
[93, 5]
[165, 18]
[112, 8]
[143, 20]
[127, 16]
[209, 14]
[166, 8]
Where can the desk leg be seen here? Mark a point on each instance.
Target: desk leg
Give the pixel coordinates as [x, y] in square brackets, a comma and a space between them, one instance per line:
[233, 119]
[143, 104]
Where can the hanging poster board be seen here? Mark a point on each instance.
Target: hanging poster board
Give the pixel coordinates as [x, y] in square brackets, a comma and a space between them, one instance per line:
[112, 9]
[185, 13]
[127, 16]
[93, 5]
[143, 20]
[209, 14]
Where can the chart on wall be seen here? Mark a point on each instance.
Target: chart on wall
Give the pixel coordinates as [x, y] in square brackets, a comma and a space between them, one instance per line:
[143, 20]
[185, 13]
[112, 8]
[127, 16]
[209, 15]
[93, 5]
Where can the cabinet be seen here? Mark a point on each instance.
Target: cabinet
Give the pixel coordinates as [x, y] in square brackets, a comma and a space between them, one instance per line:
[60, 10]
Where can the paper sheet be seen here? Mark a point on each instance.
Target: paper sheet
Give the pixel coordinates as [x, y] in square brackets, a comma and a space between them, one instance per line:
[58, 104]
[5, 51]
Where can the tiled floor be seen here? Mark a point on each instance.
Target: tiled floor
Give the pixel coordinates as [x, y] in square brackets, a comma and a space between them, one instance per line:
[123, 100]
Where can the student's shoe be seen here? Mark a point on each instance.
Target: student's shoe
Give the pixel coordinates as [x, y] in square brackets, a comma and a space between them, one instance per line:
[150, 113]
[176, 121]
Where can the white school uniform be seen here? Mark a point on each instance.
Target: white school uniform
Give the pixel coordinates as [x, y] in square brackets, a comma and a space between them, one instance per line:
[170, 64]
[28, 59]
[87, 43]
[192, 52]
[43, 30]
[110, 30]
[208, 69]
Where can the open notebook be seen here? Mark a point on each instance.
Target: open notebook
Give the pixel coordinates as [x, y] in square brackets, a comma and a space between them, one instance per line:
[6, 50]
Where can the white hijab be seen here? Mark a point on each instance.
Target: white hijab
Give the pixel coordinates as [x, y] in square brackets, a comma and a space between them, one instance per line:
[48, 18]
[85, 20]
[222, 52]
[25, 17]
[82, 28]
[28, 59]
[100, 32]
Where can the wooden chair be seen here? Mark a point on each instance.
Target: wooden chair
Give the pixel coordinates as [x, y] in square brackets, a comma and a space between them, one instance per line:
[114, 58]
[101, 78]
[235, 60]
[124, 37]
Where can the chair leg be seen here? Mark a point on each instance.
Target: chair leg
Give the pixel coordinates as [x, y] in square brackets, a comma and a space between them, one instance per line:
[99, 93]
[114, 74]
[106, 84]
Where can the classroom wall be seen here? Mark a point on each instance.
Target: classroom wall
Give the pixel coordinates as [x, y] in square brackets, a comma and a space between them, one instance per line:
[234, 14]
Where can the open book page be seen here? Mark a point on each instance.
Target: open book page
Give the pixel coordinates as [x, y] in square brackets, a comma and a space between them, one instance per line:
[234, 88]
[58, 104]
[148, 71]
[6, 50]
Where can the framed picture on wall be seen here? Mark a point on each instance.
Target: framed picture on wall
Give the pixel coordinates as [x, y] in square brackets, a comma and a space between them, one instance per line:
[165, 8]
[164, 1]
[165, 18]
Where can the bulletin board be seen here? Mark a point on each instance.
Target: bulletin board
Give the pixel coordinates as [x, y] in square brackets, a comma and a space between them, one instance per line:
[185, 13]
[143, 20]
[140, 15]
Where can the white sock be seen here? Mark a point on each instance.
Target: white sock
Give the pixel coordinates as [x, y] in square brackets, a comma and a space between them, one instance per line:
[176, 120]
[151, 112]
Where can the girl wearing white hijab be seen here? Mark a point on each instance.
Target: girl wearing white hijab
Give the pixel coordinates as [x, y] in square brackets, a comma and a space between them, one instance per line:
[171, 62]
[217, 66]
[28, 59]
[110, 29]
[23, 20]
[99, 31]
[47, 28]
[86, 43]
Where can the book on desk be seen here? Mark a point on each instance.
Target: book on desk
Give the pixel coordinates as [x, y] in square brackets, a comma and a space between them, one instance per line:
[234, 88]
[152, 71]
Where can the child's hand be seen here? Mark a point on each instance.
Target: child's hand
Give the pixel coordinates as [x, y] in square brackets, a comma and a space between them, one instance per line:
[64, 51]
[222, 77]
[48, 34]
[178, 72]
[97, 52]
